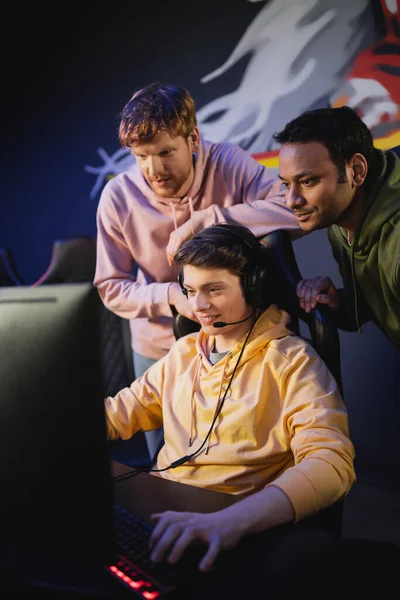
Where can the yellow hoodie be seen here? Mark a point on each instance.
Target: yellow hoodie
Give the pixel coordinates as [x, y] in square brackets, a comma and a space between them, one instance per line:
[283, 420]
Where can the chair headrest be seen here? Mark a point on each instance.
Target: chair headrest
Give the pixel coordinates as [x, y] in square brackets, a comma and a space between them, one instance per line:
[72, 261]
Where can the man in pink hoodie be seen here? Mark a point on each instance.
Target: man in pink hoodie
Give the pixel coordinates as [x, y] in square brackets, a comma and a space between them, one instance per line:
[176, 173]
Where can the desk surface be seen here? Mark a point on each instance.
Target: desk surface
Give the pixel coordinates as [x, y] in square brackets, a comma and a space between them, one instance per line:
[146, 493]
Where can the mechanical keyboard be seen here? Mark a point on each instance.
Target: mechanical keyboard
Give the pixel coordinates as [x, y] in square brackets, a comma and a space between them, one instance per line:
[135, 569]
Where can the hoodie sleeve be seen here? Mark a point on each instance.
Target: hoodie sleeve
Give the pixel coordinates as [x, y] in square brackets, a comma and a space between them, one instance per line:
[316, 422]
[260, 201]
[117, 286]
[138, 407]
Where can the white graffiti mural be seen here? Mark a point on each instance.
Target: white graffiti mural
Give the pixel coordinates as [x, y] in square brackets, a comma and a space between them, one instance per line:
[302, 54]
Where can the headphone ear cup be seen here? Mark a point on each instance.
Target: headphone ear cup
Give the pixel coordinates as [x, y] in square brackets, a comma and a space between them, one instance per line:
[180, 281]
[249, 287]
[262, 283]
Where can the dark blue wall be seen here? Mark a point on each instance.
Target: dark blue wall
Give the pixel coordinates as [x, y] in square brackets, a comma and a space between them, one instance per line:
[77, 68]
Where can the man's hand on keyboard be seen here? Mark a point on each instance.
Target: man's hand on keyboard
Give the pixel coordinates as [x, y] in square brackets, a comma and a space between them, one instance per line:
[176, 531]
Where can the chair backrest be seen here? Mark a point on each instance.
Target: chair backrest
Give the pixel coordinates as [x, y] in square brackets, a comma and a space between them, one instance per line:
[73, 260]
[396, 149]
[9, 275]
[285, 275]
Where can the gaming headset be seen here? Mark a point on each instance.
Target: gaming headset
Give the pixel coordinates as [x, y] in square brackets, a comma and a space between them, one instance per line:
[254, 281]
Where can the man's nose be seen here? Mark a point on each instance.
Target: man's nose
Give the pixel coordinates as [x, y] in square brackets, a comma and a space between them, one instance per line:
[154, 166]
[292, 197]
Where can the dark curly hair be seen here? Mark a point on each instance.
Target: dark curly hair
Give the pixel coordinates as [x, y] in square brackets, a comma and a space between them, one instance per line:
[340, 130]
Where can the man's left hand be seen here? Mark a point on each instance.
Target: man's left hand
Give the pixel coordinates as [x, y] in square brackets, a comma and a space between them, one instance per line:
[177, 238]
[175, 531]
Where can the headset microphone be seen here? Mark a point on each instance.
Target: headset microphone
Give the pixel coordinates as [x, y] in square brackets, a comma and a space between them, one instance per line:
[223, 324]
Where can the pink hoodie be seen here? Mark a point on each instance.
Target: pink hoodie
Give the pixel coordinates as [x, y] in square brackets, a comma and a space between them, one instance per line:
[134, 225]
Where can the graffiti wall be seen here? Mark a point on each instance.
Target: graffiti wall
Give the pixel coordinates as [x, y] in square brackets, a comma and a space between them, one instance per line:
[301, 55]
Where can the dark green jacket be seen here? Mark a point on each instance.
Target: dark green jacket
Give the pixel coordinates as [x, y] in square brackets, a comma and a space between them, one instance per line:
[370, 267]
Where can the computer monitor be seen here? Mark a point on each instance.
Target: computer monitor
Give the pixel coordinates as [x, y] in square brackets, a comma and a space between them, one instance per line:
[56, 495]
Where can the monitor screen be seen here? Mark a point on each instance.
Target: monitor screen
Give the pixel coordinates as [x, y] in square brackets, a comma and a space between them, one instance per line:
[56, 496]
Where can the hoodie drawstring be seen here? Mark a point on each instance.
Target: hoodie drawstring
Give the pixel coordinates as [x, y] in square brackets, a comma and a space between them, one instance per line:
[360, 329]
[191, 213]
[191, 210]
[220, 402]
[171, 204]
[192, 407]
[192, 401]
[219, 397]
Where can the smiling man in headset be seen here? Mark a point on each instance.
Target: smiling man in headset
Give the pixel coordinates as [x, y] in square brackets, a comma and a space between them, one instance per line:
[248, 408]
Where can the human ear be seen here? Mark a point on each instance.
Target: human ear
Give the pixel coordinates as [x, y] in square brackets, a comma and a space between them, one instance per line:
[194, 140]
[359, 166]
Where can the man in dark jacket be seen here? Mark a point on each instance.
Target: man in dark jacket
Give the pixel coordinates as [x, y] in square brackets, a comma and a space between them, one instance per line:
[336, 178]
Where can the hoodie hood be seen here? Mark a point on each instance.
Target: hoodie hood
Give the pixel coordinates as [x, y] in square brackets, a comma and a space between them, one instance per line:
[270, 325]
[382, 203]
